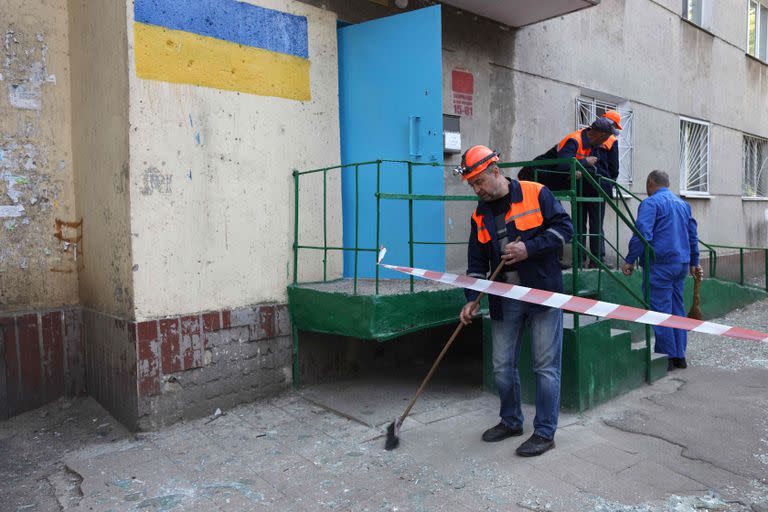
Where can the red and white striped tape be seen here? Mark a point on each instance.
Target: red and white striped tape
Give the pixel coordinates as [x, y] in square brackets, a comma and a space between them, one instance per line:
[579, 304]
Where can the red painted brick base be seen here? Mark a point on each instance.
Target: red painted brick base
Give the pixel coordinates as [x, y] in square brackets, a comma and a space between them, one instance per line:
[41, 360]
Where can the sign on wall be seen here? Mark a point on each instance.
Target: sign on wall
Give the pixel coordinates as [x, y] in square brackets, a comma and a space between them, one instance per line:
[463, 89]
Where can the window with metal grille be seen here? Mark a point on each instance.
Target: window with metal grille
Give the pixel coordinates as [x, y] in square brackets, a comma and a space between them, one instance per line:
[694, 156]
[693, 11]
[757, 29]
[589, 109]
[755, 167]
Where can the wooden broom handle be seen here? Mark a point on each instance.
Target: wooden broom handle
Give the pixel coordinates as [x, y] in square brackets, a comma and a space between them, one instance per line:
[446, 347]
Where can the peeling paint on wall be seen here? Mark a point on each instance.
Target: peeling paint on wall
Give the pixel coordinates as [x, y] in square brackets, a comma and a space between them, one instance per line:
[9, 212]
[25, 69]
[35, 149]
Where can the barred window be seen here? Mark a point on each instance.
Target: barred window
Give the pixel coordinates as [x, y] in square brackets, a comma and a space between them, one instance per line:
[694, 156]
[755, 167]
[588, 109]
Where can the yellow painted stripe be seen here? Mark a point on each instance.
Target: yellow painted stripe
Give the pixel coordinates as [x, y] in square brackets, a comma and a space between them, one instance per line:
[185, 58]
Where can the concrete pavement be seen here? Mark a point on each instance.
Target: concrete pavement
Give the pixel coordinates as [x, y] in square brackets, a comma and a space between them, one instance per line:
[696, 440]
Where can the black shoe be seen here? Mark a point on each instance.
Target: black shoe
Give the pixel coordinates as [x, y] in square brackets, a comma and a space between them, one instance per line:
[679, 362]
[671, 364]
[535, 445]
[501, 432]
[564, 266]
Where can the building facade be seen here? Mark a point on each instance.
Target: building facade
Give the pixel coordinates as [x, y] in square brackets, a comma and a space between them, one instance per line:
[147, 151]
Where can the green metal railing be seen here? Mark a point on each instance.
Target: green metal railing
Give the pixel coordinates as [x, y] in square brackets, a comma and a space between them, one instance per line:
[575, 196]
[578, 178]
[379, 196]
[742, 250]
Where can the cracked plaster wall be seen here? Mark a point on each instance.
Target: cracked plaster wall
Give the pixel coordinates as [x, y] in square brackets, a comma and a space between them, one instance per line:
[37, 269]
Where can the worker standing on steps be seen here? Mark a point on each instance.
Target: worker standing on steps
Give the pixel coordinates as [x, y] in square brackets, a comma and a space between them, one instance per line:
[586, 145]
[521, 223]
[607, 166]
[665, 221]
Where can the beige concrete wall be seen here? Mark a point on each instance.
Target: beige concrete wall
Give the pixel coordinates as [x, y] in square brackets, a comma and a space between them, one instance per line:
[36, 268]
[484, 49]
[211, 183]
[100, 146]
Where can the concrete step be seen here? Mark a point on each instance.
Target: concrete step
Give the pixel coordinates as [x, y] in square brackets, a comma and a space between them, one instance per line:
[583, 320]
[640, 345]
[658, 361]
[587, 293]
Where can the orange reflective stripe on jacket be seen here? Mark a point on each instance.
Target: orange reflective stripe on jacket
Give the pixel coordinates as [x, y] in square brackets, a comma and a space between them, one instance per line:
[527, 213]
[608, 144]
[483, 236]
[581, 151]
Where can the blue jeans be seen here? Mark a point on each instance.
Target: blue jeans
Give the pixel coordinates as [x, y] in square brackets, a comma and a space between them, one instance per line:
[666, 282]
[546, 346]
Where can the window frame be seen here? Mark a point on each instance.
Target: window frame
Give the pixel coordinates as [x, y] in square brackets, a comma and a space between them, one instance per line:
[759, 30]
[626, 136]
[687, 17]
[755, 197]
[684, 172]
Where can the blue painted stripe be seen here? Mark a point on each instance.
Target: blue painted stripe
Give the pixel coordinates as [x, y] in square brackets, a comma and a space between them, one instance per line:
[237, 22]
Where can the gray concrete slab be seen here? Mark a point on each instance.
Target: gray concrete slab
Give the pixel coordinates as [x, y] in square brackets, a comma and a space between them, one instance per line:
[368, 286]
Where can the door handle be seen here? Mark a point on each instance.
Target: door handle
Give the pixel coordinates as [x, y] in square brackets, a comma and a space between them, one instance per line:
[413, 136]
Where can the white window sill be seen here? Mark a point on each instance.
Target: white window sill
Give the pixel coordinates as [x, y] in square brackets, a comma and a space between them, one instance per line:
[754, 199]
[696, 195]
[694, 24]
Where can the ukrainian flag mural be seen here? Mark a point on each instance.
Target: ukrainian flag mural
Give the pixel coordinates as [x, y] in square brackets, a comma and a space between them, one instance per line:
[223, 44]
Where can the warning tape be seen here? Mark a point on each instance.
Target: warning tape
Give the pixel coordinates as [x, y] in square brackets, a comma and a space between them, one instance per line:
[579, 304]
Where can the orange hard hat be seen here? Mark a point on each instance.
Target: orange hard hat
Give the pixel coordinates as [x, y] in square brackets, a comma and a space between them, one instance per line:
[475, 160]
[613, 116]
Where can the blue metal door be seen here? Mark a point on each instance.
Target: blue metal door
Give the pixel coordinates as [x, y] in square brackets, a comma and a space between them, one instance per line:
[390, 95]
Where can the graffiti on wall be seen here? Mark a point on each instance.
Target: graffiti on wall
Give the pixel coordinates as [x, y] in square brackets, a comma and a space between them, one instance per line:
[222, 44]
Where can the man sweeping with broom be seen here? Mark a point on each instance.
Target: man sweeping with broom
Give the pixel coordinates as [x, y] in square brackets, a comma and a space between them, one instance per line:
[523, 225]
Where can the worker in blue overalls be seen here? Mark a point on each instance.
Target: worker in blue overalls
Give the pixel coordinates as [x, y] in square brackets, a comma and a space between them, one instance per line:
[665, 221]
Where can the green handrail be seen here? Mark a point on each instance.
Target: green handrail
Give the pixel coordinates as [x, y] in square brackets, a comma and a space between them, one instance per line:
[573, 195]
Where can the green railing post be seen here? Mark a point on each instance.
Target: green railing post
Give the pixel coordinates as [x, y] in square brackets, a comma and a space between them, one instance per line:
[741, 266]
[357, 209]
[325, 225]
[618, 242]
[647, 297]
[574, 241]
[295, 226]
[378, 220]
[410, 220]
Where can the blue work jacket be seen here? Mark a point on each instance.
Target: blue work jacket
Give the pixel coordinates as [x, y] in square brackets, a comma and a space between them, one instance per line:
[666, 222]
[542, 268]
